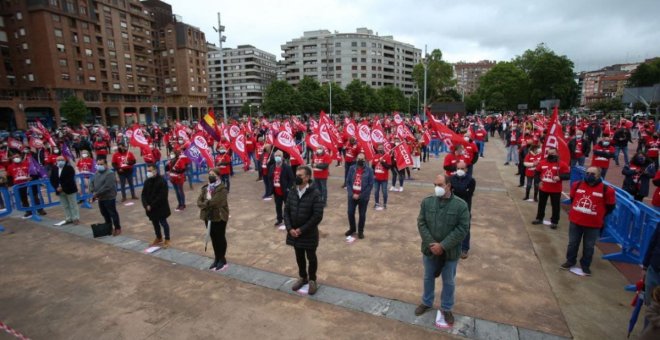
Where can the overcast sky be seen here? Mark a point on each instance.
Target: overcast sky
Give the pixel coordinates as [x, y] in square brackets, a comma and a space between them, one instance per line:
[592, 33]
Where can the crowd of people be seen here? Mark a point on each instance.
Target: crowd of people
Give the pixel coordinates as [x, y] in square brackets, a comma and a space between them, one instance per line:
[296, 177]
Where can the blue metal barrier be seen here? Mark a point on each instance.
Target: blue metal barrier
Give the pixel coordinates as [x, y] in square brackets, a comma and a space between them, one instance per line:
[46, 200]
[84, 194]
[648, 219]
[139, 175]
[6, 200]
[619, 228]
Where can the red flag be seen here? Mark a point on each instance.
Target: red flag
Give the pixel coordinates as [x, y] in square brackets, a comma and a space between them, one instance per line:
[313, 124]
[449, 137]
[397, 118]
[285, 142]
[555, 138]
[349, 129]
[427, 137]
[402, 155]
[250, 129]
[181, 132]
[36, 143]
[238, 145]
[233, 132]
[313, 141]
[269, 137]
[287, 127]
[378, 136]
[418, 122]
[363, 137]
[45, 132]
[325, 137]
[200, 142]
[138, 140]
[403, 132]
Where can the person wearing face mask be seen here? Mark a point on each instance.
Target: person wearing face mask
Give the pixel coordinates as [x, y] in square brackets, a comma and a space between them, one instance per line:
[351, 150]
[101, 147]
[303, 212]
[552, 172]
[63, 180]
[156, 205]
[621, 139]
[223, 162]
[443, 222]
[176, 171]
[104, 189]
[602, 153]
[18, 172]
[451, 159]
[512, 138]
[85, 164]
[471, 152]
[214, 211]
[463, 186]
[532, 159]
[591, 201]
[281, 176]
[321, 166]
[652, 146]
[123, 161]
[381, 164]
[396, 173]
[266, 162]
[359, 183]
[638, 174]
[579, 149]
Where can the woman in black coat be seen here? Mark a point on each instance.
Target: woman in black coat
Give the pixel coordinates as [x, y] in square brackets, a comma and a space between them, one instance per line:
[302, 215]
[156, 205]
[638, 175]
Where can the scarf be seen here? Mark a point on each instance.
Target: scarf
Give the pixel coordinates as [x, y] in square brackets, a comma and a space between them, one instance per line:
[210, 189]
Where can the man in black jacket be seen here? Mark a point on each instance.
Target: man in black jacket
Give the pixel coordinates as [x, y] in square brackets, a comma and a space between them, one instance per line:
[302, 214]
[156, 205]
[280, 177]
[651, 263]
[63, 180]
[463, 185]
[621, 139]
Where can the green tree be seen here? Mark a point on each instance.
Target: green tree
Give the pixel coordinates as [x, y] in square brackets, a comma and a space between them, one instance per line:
[245, 108]
[74, 110]
[439, 76]
[340, 99]
[310, 96]
[392, 98]
[358, 96]
[503, 87]
[646, 74]
[374, 103]
[280, 98]
[550, 76]
[609, 105]
[473, 102]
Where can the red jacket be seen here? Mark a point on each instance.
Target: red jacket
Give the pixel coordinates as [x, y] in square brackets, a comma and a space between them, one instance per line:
[381, 172]
[101, 148]
[85, 165]
[223, 161]
[480, 135]
[599, 161]
[323, 159]
[351, 152]
[123, 162]
[450, 162]
[530, 167]
[177, 169]
[550, 170]
[19, 172]
[588, 207]
[250, 144]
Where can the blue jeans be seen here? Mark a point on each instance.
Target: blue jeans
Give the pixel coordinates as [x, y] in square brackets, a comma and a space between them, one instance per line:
[180, 195]
[443, 148]
[481, 145]
[588, 236]
[579, 161]
[617, 150]
[166, 228]
[225, 180]
[435, 146]
[448, 282]
[381, 186]
[322, 186]
[512, 154]
[253, 159]
[465, 245]
[362, 207]
[652, 281]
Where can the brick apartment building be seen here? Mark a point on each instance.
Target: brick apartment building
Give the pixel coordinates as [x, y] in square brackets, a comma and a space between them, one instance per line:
[468, 75]
[106, 52]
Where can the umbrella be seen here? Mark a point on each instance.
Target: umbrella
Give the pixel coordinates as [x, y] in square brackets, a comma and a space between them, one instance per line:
[637, 302]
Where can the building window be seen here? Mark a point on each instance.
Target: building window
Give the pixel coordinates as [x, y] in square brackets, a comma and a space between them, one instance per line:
[58, 33]
[87, 39]
[88, 52]
[338, 68]
[28, 61]
[91, 78]
[60, 47]
[62, 62]
[56, 18]
[90, 66]
[70, 7]
[111, 43]
[21, 31]
[354, 60]
[19, 16]
[31, 77]
[54, 3]
[65, 76]
[363, 44]
[83, 10]
[354, 44]
[116, 86]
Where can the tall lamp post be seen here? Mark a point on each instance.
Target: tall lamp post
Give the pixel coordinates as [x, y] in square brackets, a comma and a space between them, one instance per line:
[222, 39]
[426, 66]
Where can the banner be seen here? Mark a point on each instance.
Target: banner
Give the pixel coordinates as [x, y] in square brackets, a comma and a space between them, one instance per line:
[284, 141]
[404, 133]
[402, 156]
[397, 118]
[449, 137]
[312, 141]
[364, 141]
[138, 140]
[238, 145]
[210, 126]
[555, 138]
[349, 130]
[325, 137]
[198, 151]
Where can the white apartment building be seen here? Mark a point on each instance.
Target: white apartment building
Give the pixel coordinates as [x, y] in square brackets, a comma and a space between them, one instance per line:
[248, 72]
[342, 57]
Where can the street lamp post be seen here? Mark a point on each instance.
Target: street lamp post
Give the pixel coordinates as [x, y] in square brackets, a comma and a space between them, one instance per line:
[222, 39]
[426, 64]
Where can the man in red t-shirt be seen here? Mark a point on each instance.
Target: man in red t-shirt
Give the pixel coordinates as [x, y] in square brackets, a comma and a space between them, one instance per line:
[350, 152]
[381, 164]
[321, 167]
[101, 148]
[591, 201]
[123, 161]
[223, 162]
[602, 153]
[552, 171]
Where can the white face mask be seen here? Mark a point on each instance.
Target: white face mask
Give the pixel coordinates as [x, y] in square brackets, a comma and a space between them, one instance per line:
[172, 156]
[150, 174]
[439, 191]
[17, 160]
[467, 139]
[460, 173]
[85, 155]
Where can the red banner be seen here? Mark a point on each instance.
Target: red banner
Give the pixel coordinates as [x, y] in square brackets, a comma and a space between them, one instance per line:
[313, 141]
[555, 138]
[238, 145]
[402, 156]
[285, 142]
[139, 141]
[364, 140]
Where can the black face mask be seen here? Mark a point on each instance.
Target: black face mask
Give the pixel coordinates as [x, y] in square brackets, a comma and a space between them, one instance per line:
[591, 180]
[299, 180]
[212, 179]
[553, 158]
[360, 162]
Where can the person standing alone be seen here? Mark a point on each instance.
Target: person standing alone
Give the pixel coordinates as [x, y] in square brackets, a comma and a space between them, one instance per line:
[63, 180]
[156, 204]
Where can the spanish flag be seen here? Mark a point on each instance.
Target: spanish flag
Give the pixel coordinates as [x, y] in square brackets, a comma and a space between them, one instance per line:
[210, 126]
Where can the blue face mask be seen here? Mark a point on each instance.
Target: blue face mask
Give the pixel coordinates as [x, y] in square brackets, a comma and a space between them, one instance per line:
[278, 159]
[60, 164]
[100, 168]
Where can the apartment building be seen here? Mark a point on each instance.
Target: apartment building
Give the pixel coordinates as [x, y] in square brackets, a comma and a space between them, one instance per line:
[468, 75]
[604, 84]
[343, 57]
[248, 72]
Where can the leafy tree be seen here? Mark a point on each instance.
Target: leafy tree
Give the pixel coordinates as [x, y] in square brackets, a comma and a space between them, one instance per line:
[646, 74]
[340, 99]
[310, 96]
[245, 108]
[550, 76]
[613, 104]
[503, 87]
[74, 110]
[392, 99]
[439, 76]
[280, 98]
[450, 95]
[357, 94]
[473, 103]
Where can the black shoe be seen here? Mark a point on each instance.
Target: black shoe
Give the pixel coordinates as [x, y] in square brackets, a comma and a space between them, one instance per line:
[278, 223]
[586, 271]
[349, 233]
[27, 214]
[553, 226]
[214, 265]
[449, 317]
[536, 222]
[566, 266]
[41, 212]
[520, 186]
[507, 163]
[526, 198]
[421, 309]
[360, 235]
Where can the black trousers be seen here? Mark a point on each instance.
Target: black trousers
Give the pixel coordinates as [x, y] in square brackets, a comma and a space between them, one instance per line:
[219, 240]
[302, 263]
[279, 200]
[554, 201]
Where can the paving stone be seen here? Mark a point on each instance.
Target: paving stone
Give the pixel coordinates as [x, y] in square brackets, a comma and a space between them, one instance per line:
[494, 331]
[353, 300]
[528, 334]
[188, 259]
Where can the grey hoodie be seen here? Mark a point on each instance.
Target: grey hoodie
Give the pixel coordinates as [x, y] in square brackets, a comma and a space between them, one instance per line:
[104, 185]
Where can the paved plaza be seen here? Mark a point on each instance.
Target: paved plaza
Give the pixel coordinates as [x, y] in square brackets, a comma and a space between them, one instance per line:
[57, 282]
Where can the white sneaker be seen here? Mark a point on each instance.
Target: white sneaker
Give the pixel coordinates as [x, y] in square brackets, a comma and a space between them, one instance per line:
[393, 189]
[401, 189]
[379, 208]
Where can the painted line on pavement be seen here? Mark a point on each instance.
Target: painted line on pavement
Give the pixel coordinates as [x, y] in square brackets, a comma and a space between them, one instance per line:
[464, 326]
